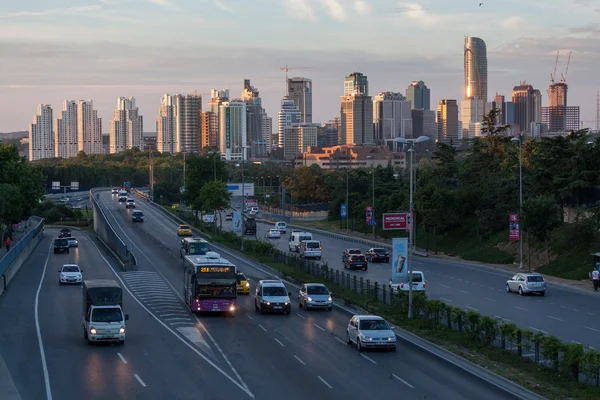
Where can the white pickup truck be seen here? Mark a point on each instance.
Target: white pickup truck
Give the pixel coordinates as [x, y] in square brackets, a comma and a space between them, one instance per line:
[103, 318]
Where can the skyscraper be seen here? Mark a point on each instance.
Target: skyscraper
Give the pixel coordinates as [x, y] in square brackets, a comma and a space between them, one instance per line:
[418, 94]
[392, 117]
[41, 138]
[254, 120]
[89, 128]
[556, 112]
[527, 104]
[232, 130]
[300, 90]
[506, 110]
[448, 126]
[476, 70]
[423, 123]
[217, 97]
[188, 127]
[165, 125]
[267, 125]
[288, 115]
[65, 131]
[357, 119]
[210, 130]
[297, 139]
[127, 127]
[356, 83]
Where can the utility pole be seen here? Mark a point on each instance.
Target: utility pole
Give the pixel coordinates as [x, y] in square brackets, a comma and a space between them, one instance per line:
[347, 205]
[410, 240]
[151, 165]
[243, 203]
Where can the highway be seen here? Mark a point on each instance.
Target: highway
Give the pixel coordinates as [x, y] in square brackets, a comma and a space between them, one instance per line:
[154, 363]
[569, 314]
[300, 356]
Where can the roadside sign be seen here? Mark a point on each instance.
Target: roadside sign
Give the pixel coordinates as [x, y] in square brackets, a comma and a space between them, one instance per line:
[373, 222]
[369, 214]
[514, 227]
[74, 185]
[55, 185]
[394, 221]
[343, 210]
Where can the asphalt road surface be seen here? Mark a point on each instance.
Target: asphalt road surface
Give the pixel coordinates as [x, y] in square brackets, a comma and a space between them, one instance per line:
[300, 356]
[569, 314]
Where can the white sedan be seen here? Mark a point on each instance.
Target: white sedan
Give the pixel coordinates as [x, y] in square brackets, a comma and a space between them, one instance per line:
[70, 273]
[273, 234]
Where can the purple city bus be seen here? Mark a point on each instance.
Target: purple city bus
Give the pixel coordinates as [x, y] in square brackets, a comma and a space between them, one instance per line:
[209, 284]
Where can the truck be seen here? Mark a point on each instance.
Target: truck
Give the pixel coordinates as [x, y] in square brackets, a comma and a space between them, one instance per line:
[127, 186]
[103, 318]
[250, 226]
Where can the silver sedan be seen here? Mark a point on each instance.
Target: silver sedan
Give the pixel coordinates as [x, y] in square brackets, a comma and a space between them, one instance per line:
[524, 283]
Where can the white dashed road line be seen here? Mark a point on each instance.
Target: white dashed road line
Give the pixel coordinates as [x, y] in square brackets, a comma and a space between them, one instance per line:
[262, 327]
[446, 300]
[340, 340]
[325, 382]
[557, 319]
[487, 298]
[472, 308]
[538, 330]
[320, 327]
[301, 316]
[299, 360]
[139, 380]
[122, 358]
[403, 381]
[520, 308]
[592, 329]
[368, 358]
[279, 341]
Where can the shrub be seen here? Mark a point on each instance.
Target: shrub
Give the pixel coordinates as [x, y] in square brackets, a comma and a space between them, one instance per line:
[550, 348]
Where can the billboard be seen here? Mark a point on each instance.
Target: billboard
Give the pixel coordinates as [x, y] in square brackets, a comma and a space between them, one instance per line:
[394, 221]
[236, 189]
[250, 203]
[237, 221]
[400, 260]
[514, 227]
[368, 214]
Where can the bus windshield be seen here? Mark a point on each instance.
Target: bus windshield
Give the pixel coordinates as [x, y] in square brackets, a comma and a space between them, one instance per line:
[199, 248]
[219, 292]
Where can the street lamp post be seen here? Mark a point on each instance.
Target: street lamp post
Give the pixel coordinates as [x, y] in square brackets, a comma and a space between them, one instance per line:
[214, 154]
[520, 140]
[347, 205]
[411, 240]
[373, 187]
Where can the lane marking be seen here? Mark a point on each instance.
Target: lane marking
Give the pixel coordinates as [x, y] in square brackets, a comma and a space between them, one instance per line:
[576, 310]
[447, 287]
[590, 313]
[301, 316]
[505, 319]
[248, 315]
[325, 382]
[446, 300]
[299, 360]
[262, 327]
[181, 339]
[487, 298]
[403, 381]
[467, 282]
[39, 331]
[472, 308]
[592, 329]
[139, 380]
[539, 330]
[340, 340]
[563, 307]
[575, 341]
[278, 341]
[167, 282]
[520, 308]
[122, 358]
[550, 316]
[462, 291]
[321, 328]
[368, 358]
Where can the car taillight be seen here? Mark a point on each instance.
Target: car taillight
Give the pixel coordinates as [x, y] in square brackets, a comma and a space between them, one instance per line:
[424, 283]
[401, 285]
[320, 247]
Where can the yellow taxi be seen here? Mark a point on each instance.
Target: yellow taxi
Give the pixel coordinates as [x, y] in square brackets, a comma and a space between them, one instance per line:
[184, 230]
[243, 284]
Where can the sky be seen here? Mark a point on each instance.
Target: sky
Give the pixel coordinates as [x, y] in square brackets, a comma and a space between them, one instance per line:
[52, 50]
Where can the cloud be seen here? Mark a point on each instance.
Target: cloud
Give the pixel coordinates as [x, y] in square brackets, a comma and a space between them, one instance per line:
[300, 9]
[419, 15]
[513, 22]
[362, 8]
[589, 29]
[220, 4]
[335, 9]
[57, 11]
[162, 3]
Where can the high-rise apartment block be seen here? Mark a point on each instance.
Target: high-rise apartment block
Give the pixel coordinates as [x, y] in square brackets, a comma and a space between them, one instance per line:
[166, 125]
[506, 110]
[300, 90]
[267, 126]
[210, 130]
[288, 115]
[254, 118]
[356, 83]
[188, 115]
[424, 124]
[476, 70]
[89, 128]
[327, 134]
[65, 131]
[357, 119]
[297, 139]
[127, 127]
[392, 117]
[232, 130]
[448, 125]
[217, 97]
[418, 94]
[527, 106]
[41, 138]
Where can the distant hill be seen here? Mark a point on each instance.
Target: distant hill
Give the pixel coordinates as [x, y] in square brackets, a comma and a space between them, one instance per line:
[14, 135]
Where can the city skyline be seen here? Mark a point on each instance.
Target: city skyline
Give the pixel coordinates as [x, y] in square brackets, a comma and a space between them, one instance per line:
[519, 48]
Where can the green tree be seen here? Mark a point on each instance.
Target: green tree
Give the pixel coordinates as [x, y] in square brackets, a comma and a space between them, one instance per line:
[541, 215]
[214, 196]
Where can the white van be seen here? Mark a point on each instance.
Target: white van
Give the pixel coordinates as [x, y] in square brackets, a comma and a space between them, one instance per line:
[296, 239]
[272, 296]
[311, 249]
[122, 195]
[281, 226]
[418, 283]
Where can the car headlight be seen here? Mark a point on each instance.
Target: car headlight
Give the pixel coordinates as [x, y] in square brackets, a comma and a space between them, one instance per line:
[367, 338]
[92, 330]
[268, 303]
[309, 298]
[247, 284]
[286, 303]
[392, 338]
[62, 276]
[329, 298]
[122, 330]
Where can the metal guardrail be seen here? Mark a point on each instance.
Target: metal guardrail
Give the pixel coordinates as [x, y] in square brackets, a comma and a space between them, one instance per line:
[107, 234]
[10, 257]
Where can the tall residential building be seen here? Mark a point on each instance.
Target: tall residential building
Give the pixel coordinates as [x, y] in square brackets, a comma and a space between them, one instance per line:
[288, 115]
[297, 139]
[476, 70]
[65, 131]
[232, 130]
[267, 126]
[217, 97]
[254, 119]
[527, 105]
[327, 134]
[210, 130]
[356, 83]
[357, 119]
[392, 117]
[418, 94]
[300, 90]
[89, 128]
[423, 123]
[447, 118]
[127, 127]
[41, 138]
[506, 110]
[472, 112]
[166, 125]
[188, 127]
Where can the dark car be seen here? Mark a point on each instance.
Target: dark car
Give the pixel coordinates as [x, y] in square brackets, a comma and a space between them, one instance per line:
[137, 216]
[349, 252]
[377, 254]
[64, 233]
[250, 226]
[356, 261]
[61, 245]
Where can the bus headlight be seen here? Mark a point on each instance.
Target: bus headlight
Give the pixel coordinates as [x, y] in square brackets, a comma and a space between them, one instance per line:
[232, 308]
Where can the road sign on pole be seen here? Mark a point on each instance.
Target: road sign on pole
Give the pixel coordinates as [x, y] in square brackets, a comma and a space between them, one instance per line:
[343, 210]
[372, 222]
[55, 185]
[74, 185]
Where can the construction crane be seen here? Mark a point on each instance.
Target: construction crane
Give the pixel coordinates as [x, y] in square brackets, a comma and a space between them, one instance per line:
[287, 68]
[553, 74]
[564, 77]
